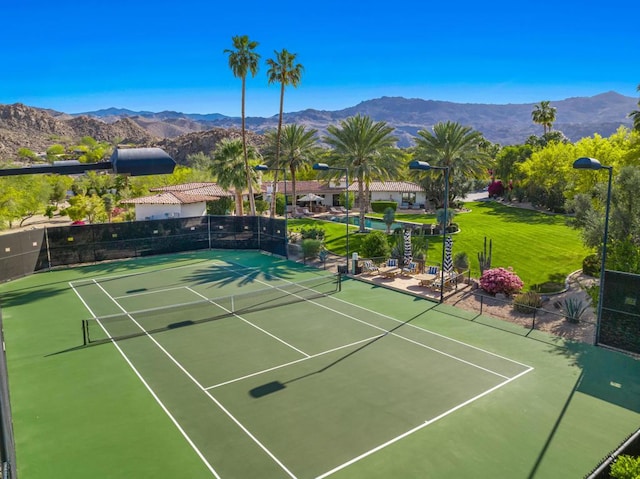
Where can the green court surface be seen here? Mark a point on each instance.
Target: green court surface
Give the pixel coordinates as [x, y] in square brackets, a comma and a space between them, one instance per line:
[236, 364]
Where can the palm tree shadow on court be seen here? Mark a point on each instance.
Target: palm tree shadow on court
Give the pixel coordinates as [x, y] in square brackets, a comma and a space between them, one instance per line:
[275, 386]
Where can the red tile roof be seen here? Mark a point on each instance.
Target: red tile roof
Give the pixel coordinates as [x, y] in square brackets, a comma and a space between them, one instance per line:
[170, 198]
[390, 186]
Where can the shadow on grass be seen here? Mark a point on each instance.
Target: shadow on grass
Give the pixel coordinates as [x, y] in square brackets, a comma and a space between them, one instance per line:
[516, 215]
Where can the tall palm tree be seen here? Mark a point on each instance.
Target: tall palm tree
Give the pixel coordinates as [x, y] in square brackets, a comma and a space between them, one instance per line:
[544, 114]
[636, 116]
[243, 60]
[285, 71]
[367, 149]
[455, 146]
[298, 148]
[228, 165]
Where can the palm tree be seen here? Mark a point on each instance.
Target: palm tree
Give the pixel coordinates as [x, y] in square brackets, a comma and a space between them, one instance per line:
[367, 149]
[636, 116]
[244, 60]
[228, 167]
[284, 71]
[298, 149]
[455, 146]
[544, 114]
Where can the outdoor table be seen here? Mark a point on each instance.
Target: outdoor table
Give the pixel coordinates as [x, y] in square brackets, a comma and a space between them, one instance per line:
[425, 278]
[389, 271]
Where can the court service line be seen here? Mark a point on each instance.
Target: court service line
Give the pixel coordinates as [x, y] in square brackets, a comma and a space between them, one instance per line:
[195, 381]
[428, 422]
[340, 313]
[250, 323]
[293, 362]
[151, 391]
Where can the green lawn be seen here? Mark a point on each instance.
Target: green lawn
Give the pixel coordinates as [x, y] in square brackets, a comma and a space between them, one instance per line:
[538, 246]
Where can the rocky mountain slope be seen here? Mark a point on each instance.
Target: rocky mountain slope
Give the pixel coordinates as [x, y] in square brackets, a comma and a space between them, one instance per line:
[181, 134]
[505, 124]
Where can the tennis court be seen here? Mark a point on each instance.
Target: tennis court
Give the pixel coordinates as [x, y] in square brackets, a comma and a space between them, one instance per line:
[237, 364]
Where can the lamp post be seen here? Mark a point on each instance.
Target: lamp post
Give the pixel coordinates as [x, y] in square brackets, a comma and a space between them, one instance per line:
[585, 163]
[325, 167]
[284, 177]
[424, 166]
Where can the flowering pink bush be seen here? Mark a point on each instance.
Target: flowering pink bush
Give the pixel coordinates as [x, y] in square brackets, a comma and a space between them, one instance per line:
[501, 280]
[496, 188]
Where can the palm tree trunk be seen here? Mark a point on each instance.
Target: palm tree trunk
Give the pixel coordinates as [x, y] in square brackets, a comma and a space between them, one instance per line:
[239, 205]
[252, 203]
[278, 137]
[361, 203]
[293, 188]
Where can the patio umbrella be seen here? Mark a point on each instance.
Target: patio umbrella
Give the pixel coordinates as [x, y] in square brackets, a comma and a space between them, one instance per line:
[408, 257]
[448, 261]
[311, 197]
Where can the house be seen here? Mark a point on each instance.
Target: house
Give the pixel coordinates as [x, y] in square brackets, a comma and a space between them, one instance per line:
[405, 193]
[177, 201]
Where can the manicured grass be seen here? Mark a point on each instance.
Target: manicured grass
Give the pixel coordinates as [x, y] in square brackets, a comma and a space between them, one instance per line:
[538, 246]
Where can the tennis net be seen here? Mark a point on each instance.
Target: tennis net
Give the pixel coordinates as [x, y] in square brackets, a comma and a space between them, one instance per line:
[148, 321]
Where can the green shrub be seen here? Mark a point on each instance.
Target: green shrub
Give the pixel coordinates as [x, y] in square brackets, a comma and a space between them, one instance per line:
[375, 245]
[262, 206]
[313, 232]
[527, 302]
[591, 265]
[380, 206]
[626, 467]
[220, 207]
[311, 248]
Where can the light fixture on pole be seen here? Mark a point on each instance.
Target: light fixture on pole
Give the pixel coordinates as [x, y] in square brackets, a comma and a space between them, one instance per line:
[284, 177]
[424, 166]
[325, 167]
[585, 163]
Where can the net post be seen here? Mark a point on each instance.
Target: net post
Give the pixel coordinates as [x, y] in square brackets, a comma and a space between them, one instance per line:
[339, 282]
[85, 327]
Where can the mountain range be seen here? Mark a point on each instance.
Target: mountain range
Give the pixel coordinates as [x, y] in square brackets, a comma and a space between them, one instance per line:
[183, 133]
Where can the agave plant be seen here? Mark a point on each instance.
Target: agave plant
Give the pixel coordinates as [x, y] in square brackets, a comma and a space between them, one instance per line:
[574, 308]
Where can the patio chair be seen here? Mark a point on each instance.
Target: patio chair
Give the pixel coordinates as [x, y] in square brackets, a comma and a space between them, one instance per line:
[368, 267]
[410, 269]
[390, 269]
[432, 270]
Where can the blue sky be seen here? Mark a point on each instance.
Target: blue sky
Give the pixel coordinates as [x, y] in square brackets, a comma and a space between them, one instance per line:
[76, 56]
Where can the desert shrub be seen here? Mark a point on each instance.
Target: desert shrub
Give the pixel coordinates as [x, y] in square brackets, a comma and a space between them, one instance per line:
[262, 206]
[311, 248]
[527, 302]
[591, 265]
[220, 207]
[573, 309]
[501, 280]
[626, 467]
[375, 245]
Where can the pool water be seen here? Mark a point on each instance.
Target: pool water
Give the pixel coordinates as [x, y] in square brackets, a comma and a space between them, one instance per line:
[370, 223]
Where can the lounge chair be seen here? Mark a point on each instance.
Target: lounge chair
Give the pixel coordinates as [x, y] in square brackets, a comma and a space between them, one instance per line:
[390, 269]
[368, 267]
[410, 269]
[335, 211]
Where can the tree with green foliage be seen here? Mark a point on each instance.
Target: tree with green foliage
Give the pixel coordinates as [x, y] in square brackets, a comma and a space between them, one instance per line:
[22, 197]
[243, 60]
[25, 154]
[375, 245]
[367, 149]
[625, 467]
[389, 216]
[228, 167]
[284, 70]
[454, 146]
[544, 114]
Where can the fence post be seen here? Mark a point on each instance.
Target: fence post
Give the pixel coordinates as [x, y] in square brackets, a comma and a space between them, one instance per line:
[533, 322]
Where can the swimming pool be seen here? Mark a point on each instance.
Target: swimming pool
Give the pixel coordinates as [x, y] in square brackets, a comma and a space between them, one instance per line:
[370, 223]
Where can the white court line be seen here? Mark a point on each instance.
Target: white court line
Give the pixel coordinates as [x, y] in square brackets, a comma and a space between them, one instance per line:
[293, 362]
[151, 391]
[421, 426]
[371, 311]
[386, 331]
[250, 323]
[222, 408]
